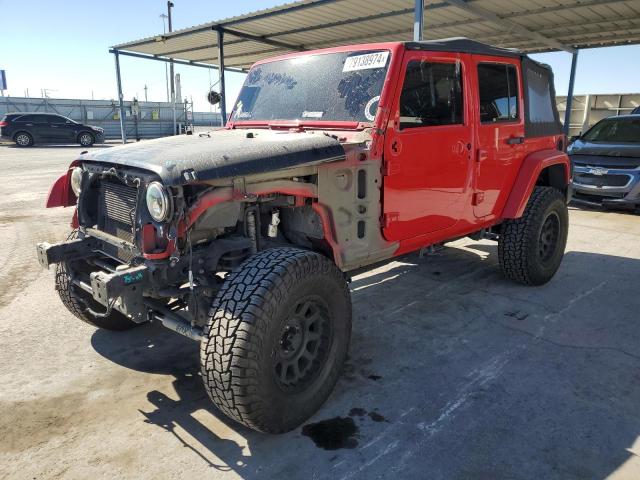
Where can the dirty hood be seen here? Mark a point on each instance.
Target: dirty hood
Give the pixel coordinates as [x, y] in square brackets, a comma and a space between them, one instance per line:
[221, 154]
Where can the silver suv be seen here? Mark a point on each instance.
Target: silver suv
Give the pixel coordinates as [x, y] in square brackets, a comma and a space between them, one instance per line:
[606, 163]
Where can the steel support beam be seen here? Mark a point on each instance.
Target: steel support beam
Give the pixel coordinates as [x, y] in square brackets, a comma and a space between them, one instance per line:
[260, 39]
[418, 20]
[572, 78]
[223, 93]
[123, 134]
[508, 24]
[189, 63]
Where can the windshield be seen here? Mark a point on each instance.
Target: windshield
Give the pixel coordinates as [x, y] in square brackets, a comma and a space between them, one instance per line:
[615, 130]
[342, 86]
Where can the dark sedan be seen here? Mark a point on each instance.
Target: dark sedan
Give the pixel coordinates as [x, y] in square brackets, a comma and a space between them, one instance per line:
[25, 129]
[606, 163]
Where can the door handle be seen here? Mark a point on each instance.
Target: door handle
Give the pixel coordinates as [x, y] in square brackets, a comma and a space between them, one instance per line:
[53, 126]
[29, 124]
[515, 140]
[481, 155]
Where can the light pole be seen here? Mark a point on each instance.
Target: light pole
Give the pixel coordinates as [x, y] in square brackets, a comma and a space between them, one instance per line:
[164, 16]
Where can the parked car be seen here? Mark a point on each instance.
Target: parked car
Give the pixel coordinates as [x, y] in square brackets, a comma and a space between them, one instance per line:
[26, 129]
[606, 163]
[244, 238]
[635, 111]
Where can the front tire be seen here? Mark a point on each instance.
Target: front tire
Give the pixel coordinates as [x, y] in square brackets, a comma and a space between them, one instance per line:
[276, 339]
[530, 248]
[86, 139]
[77, 301]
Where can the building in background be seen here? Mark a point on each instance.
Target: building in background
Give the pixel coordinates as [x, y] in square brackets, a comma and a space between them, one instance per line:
[587, 110]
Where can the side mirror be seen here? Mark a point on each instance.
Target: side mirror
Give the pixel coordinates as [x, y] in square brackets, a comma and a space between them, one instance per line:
[213, 97]
[573, 138]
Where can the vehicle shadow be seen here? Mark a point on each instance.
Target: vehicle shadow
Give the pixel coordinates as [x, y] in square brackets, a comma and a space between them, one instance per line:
[422, 327]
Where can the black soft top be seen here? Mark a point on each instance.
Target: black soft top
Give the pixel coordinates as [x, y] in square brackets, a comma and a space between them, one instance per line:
[463, 45]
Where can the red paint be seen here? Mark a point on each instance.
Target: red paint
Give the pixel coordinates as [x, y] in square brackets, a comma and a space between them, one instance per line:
[61, 194]
[171, 247]
[148, 238]
[428, 167]
[497, 161]
[529, 172]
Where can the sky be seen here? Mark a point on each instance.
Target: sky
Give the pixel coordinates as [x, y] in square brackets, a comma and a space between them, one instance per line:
[64, 48]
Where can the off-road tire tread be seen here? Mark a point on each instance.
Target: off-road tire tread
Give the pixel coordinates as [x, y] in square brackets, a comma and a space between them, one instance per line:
[238, 325]
[517, 235]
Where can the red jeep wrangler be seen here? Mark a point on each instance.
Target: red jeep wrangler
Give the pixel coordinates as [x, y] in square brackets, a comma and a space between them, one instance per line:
[333, 160]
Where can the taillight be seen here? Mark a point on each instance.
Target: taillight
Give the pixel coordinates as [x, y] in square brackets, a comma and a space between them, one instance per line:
[3, 124]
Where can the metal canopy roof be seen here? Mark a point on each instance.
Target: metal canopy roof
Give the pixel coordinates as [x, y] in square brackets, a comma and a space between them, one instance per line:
[528, 25]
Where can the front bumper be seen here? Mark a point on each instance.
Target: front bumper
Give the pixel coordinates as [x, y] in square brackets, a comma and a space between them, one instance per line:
[606, 186]
[121, 289]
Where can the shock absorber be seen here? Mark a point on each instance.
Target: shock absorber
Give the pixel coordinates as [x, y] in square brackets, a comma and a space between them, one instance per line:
[251, 229]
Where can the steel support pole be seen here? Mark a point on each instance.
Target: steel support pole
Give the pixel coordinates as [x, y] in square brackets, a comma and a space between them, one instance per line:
[418, 20]
[123, 134]
[572, 78]
[223, 93]
[171, 72]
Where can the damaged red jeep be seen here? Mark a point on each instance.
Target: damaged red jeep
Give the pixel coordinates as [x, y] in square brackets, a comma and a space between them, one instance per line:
[334, 160]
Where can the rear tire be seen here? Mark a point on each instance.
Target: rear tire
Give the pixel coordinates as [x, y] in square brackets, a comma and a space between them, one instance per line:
[276, 339]
[530, 248]
[77, 300]
[23, 139]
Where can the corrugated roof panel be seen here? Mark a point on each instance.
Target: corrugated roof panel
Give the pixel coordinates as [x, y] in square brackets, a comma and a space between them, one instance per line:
[324, 23]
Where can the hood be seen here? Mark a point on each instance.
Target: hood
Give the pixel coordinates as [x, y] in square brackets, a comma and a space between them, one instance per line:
[221, 154]
[582, 147]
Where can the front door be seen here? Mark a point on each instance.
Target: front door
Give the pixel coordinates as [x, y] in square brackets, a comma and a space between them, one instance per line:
[60, 129]
[500, 132]
[428, 146]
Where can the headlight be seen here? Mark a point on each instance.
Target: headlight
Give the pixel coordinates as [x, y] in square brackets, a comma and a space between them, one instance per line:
[158, 202]
[76, 180]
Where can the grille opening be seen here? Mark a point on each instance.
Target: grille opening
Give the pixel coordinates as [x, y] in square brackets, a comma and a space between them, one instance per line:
[117, 204]
[606, 180]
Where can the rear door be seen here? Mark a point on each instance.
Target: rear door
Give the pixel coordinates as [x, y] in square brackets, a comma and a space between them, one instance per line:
[60, 129]
[33, 123]
[500, 138]
[428, 145]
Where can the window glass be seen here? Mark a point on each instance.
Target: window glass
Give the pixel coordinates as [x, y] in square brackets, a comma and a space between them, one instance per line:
[498, 86]
[33, 119]
[342, 86]
[56, 119]
[539, 97]
[615, 130]
[431, 95]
